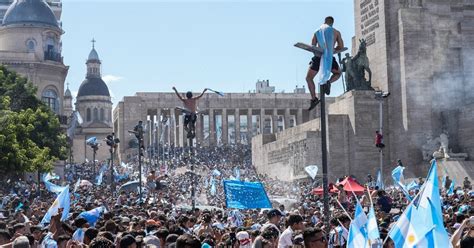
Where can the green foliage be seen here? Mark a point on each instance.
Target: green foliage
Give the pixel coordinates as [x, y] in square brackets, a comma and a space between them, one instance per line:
[30, 134]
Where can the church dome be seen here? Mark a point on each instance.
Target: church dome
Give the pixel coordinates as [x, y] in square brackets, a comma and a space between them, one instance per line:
[93, 55]
[30, 12]
[67, 93]
[93, 86]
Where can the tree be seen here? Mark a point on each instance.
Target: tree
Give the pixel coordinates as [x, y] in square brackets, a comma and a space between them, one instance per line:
[30, 135]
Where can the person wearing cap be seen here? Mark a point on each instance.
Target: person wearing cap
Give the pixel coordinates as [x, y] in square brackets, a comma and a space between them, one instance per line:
[295, 222]
[243, 239]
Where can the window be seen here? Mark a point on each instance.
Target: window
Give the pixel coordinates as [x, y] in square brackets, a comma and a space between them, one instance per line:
[96, 114]
[102, 117]
[88, 114]
[50, 98]
[30, 45]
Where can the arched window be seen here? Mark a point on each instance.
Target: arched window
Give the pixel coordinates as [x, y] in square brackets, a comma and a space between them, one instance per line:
[96, 114]
[30, 45]
[50, 98]
[88, 114]
[102, 117]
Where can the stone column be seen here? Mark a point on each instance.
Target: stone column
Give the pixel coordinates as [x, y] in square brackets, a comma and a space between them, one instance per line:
[237, 125]
[299, 116]
[212, 128]
[199, 128]
[182, 132]
[172, 127]
[275, 121]
[225, 128]
[249, 126]
[287, 118]
[262, 120]
[159, 128]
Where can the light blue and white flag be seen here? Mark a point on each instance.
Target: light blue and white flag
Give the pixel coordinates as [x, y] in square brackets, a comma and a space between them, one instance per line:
[325, 36]
[213, 187]
[237, 173]
[358, 237]
[62, 201]
[78, 235]
[451, 187]
[413, 186]
[407, 232]
[216, 172]
[380, 183]
[49, 176]
[372, 227]
[312, 170]
[51, 187]
[215, 91]
[397, 175]
[93, 215]
[77, 185]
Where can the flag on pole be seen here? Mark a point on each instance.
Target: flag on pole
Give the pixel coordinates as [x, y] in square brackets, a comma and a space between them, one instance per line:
[372, 227]
[413, 185]
[451, 187]
[421, 224]
[62, 201]
[397, 175]
[51, 187]
[380, 183]
[357, 237]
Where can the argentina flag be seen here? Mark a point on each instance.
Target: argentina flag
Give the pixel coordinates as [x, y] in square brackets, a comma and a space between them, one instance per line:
[62, 201]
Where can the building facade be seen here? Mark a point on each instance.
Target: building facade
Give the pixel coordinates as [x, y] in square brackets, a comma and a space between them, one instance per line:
[420, 52]
[232, 119]
[94, 104]
[30, 44]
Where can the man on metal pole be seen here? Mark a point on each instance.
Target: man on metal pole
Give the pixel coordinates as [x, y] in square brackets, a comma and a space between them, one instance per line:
[326, 37]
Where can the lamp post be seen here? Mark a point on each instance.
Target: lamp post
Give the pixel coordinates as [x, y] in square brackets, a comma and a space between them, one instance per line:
[380, 96]
[138, 131]
[112, 143]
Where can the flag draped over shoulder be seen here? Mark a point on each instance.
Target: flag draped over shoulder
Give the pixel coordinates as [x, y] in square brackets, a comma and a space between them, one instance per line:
[421, 224]
[325, 36]
[63, 201]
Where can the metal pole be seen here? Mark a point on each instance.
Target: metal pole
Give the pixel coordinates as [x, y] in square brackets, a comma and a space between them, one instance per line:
[381, 133]
[140, 141]
[193, 188]
[324, 157]
[93, 158]
[112, 169]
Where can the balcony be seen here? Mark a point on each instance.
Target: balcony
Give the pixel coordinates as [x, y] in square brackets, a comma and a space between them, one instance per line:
[53, 56]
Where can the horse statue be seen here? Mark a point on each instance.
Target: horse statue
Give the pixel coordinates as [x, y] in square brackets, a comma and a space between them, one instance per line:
[355, 67]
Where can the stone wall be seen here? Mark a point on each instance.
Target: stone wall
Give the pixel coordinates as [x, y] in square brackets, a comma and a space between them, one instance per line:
[352, 121]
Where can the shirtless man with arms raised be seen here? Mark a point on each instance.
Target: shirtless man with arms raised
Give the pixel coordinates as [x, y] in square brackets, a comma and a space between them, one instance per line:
[190, 106]
[315, 61]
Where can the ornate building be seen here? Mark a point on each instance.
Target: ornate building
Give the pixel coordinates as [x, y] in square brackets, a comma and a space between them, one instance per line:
[30, 44]
[95, 106]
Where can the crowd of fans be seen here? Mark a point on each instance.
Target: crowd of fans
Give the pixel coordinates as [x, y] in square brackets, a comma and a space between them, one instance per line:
[164, 217]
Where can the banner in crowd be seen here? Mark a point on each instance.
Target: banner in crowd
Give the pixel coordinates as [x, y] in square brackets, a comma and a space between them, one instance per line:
[245, 195]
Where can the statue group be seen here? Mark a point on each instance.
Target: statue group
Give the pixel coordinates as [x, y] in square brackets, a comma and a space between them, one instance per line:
[354, 69]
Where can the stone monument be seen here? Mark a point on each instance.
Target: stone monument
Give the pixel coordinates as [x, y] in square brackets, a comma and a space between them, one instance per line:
[354, 69]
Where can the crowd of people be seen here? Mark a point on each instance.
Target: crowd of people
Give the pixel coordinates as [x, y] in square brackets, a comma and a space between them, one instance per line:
[165, 218]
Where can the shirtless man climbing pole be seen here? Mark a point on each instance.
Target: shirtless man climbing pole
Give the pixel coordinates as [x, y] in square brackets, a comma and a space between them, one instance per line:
[315, 62]
[190, 106]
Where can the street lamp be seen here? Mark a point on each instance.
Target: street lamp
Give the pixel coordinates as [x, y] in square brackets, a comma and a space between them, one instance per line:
[380, 96]
[112, 143]
[92, 142]
[138, 131]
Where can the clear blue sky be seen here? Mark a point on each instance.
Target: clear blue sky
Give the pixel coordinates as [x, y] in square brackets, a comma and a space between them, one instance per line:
[225, 45]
